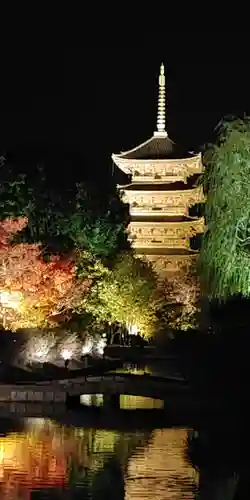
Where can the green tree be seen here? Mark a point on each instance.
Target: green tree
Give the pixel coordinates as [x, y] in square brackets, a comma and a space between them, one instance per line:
[121, 294]
[225, 255]
[62, 213]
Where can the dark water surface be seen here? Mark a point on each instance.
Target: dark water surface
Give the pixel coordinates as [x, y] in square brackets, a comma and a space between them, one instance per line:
[42, 459]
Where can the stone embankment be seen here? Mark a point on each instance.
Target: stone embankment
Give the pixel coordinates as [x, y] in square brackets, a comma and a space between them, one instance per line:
[45, 393]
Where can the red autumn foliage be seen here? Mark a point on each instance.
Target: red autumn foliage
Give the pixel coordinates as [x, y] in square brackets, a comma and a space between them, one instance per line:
[9, 227]
[49, 287]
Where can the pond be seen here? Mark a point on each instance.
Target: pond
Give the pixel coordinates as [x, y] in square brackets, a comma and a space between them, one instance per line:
[56, 461]
[41, 458]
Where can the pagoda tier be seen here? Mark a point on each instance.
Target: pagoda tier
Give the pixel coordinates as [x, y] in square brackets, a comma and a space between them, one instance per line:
[165, 234]
[161, 202]
[158, 170]
[161, 189]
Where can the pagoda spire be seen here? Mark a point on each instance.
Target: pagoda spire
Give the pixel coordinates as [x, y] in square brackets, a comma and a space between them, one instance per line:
[161, 114]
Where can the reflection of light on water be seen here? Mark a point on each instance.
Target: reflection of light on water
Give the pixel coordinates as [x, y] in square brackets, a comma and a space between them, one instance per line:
[32, 458]
[41, 457]
[161, 469]
[133, 368]
[36, 422]
[128, 402]
[91, 399]
[48, 455]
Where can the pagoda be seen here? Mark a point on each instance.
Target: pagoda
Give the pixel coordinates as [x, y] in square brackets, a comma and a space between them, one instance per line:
[160, 191]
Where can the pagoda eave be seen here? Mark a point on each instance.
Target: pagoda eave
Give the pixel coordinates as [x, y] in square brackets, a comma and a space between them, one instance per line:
[162, 202]
[127, 163]
[160, 170]
[158, 146]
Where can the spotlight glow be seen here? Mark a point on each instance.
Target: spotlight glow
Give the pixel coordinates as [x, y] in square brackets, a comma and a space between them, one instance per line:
[10, 299]
[133, 329]
[66, 354]
[87, 347]
[70, 347]
[100, 346]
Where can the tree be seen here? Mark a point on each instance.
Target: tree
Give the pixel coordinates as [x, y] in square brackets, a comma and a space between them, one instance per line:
[225, 256]
[178, 299]
[63, 215]
[123, 293]
[33, 290]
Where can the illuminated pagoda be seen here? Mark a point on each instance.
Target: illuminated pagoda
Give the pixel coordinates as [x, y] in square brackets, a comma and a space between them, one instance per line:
[160, 191]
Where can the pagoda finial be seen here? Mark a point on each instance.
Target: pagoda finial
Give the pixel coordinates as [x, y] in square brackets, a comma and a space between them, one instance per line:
[161, 115]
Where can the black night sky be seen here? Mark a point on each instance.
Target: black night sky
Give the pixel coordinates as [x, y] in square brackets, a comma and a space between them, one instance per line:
[84, 103]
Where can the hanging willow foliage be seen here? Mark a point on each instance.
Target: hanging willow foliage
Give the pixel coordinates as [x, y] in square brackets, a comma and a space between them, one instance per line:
[225, 252]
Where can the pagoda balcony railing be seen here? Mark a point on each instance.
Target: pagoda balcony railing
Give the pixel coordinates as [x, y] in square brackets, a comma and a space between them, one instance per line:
[154, 210]
[160, 242]
[159, 179]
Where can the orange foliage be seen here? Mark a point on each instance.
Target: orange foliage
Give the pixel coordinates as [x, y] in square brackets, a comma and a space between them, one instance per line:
[9, 227]
[46, 288]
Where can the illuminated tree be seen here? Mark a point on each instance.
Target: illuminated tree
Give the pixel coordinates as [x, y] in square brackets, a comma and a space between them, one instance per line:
[178, 299]
[225, 256]
[124, 293]
[70, 347]
[39, 348]
[33, 291]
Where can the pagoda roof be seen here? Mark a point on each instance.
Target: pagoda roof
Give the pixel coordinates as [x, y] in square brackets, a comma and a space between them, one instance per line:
[158, 147]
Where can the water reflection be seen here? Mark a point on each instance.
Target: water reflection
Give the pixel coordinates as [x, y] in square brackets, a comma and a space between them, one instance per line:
[126, 402]
[96, 400]
[161, 470]
[158, 368]
[88, 463]
[134, 368]
[31, 459]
